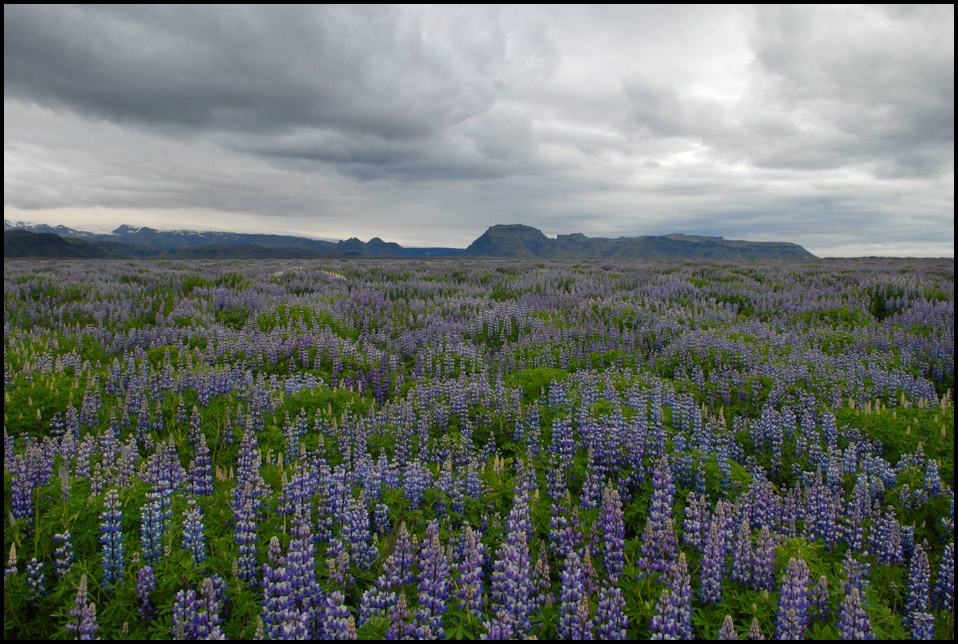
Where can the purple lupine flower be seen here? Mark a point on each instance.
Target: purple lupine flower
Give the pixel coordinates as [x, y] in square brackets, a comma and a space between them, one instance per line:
[209, 604]
[944, 596]
[695, 524]
[792, 616]
[336, 622]
[469, 585]
[63, 555]
[727, 632]
[512, 589]
[742, 555]
[21, 490]
[11, 568]
[111, 537]
[763, 560]
[754, 632]
[201, 476]
[498, 628]
[399, 565]
[659, 545]
[282, 619]
[853, 621]
[712, 566]
[381, 518]
[919, 578]
[611, 525]
[246, 539]
[820, 596]
[35, 578]
[184, 613]
[145, 585]
[572, 592]
[433, 581]
[193, 532]
[154, 522]
[399, 628]
[300, 564]
[922, 626]
[611, 622]
[673, 618]
[357, 536]
[83, 614]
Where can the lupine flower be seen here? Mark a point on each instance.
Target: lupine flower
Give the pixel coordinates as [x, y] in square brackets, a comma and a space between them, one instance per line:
[83, 614]
[511, 581]
[433, 581]
[572, 593]
[919, 579]
[11, 568]
[35, 578]
[673, 618]
[611, 622]
[611, 525]
[193, 532]
[763, 560]
[145, 585]
[659, 545]
[923, 626]
[945, 583]
[727, 632]
[754, 632]
[111, 537]
[63, 555]
[154, 522]
[792, 616]
[357, 536]
[469, 585]
[742, 556]
[713, 566]
[336, 622]
[853, 621]
[820, 596]
[246, 539]
[304, 590]
[399, 628]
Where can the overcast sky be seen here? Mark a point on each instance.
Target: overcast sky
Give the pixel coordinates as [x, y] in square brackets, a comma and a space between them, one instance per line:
[832, 127]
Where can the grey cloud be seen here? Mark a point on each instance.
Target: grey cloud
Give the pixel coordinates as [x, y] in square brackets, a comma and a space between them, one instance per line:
[357, 69]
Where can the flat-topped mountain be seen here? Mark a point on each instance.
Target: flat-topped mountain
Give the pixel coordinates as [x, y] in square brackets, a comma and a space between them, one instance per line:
[517, 240]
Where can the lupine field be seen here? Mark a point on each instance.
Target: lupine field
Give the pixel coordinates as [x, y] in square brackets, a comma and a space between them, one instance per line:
[479, 449]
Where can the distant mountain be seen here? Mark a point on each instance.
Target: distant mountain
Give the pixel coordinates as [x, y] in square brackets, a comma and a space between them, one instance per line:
[136, 241]
[517, 240]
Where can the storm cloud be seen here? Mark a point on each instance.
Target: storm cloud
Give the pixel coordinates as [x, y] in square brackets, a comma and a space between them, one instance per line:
[829, 126]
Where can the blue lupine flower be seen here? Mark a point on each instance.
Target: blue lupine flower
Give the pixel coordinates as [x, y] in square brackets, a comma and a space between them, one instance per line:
[611, 525]
[111, 537]
[193, 532]
[853, 621]
[63, 555]
[673, 618]
[611, 622]
[945, 583]
[919, 580]
[83, 614]
[792, 616]
[727, 632]
[145, 585]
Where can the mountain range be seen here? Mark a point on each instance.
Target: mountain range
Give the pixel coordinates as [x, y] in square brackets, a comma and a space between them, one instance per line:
[514, 240]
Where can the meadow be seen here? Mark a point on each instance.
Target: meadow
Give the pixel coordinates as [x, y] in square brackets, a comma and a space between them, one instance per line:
[486, 448]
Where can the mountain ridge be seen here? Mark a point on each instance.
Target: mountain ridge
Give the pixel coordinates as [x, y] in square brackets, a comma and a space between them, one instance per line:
[501, 240]
[521, 241]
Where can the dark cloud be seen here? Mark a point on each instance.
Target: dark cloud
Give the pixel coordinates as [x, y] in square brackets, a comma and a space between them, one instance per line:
[370, 70]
